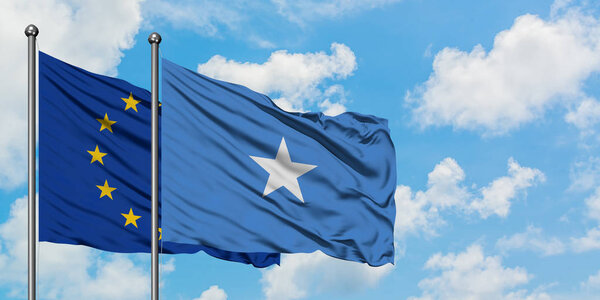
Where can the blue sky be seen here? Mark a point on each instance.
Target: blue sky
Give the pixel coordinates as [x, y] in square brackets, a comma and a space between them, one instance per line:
[492, 107]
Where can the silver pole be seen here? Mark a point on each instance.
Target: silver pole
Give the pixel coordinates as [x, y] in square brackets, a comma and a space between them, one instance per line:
[31, 32]
[154, 39]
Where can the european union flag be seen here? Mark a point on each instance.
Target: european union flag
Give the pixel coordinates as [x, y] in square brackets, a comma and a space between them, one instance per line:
[95, 165]
[243, 175]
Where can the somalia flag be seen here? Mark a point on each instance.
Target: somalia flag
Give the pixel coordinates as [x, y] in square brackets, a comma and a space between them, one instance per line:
[240, 174]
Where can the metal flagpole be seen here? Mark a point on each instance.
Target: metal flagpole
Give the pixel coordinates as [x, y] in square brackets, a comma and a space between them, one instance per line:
[154, 39]
[31, 32]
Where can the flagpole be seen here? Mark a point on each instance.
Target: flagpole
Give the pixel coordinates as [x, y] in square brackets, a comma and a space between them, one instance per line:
[31, 32]
[154, 39]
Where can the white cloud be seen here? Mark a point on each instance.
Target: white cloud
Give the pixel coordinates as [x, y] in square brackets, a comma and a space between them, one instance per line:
[593, 205]
[421, 211]
[446, 191]
[591, 241]
[532, 240]
[535, 295]
[164, 268]
[213, 293]
[204, 17]
[427, 52]
[472, 275]
[302, 275]
[117, 277]
[585, 175]
[214, 18]
[300, 11]
[443, 185]
[66, 271]
[261, 42]
[414, 214]
[559, 6]
[586, 116]
[329, 106]
[168, 266]
[103, 28]
[331, 109]
[497, 195]
[531, 67]
[592, 283]
[296, 79]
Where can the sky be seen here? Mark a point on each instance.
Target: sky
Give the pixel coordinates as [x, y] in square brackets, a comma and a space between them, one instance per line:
[492, 105]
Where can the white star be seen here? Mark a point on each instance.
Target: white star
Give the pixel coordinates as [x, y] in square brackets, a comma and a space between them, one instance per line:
[282, 171]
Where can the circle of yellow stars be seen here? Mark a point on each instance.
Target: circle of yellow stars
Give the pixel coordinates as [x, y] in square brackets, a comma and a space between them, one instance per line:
[97, 155]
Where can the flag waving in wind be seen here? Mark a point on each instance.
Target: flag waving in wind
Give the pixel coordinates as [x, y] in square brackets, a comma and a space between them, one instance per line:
[240, 174]
[94, 165]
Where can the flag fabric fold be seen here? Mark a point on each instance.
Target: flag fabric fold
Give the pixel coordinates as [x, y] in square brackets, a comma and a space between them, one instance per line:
[95, 165]
[240, 174]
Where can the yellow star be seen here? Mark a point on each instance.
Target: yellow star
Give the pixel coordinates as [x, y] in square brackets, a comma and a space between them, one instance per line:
[97, 155]
[160, 236]
[130, 218]
[131, 103]
[106, 123]
[106, 190]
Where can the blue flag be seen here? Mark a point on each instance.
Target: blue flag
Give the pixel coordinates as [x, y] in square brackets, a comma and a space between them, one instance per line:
[94, 165]
[243, 175]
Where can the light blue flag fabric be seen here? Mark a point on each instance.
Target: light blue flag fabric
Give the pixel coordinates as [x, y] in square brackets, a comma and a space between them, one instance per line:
[240, 174]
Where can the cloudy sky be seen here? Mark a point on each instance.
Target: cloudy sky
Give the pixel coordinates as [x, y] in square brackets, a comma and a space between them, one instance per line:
[493, 109]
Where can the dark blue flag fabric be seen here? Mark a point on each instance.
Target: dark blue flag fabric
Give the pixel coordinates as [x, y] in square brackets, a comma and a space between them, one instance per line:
[94, 164]
[240, 174]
